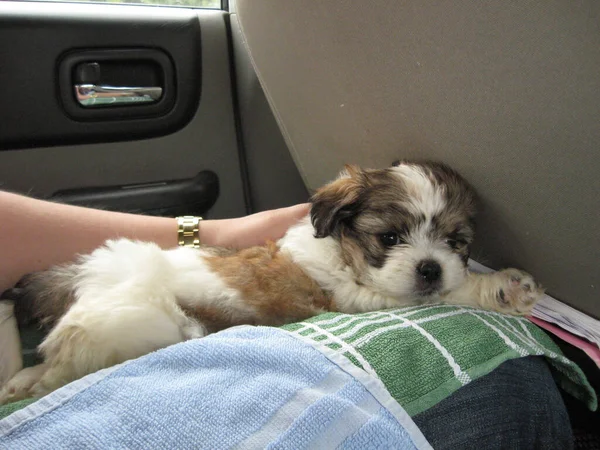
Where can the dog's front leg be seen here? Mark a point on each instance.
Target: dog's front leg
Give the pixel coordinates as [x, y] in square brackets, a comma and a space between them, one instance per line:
[508, 291]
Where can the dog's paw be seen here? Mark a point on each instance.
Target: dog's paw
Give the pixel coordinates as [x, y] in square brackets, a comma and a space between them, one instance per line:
[21, 385]
[10, 393]
[515, 292]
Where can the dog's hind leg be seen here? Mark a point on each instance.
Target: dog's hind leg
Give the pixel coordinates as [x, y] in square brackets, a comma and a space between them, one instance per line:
[124, 325]
[119, 305]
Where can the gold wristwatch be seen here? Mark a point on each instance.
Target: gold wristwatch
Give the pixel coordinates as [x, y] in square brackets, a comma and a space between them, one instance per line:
[188, 231]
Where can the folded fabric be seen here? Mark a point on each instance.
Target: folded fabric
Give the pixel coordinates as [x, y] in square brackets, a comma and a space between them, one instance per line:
[8, 409]
[335, 378]
[247, 387]
[423, 354]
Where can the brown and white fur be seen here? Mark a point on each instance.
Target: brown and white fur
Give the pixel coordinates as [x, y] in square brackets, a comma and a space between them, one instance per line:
[374, 239]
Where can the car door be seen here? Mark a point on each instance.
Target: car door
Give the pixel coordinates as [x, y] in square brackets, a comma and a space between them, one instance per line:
[140, 108]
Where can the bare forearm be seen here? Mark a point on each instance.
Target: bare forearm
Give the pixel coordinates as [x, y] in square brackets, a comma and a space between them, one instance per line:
[36, 234]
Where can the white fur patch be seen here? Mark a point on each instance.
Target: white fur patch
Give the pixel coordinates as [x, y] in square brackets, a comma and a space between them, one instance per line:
[397, 277]
[425, 197]
[321, 260]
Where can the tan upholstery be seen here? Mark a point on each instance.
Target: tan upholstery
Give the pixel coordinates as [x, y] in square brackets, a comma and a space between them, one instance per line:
[507, 92]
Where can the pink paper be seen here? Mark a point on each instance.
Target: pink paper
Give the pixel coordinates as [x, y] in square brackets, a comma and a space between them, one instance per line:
[589, 348]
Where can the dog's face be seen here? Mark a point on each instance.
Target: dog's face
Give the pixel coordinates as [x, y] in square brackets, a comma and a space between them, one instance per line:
[405, 231]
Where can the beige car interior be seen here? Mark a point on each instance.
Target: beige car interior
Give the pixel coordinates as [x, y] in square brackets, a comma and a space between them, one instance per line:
[508, 93]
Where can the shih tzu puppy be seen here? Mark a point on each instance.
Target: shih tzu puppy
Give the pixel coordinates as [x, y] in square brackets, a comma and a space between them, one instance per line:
[375, 239]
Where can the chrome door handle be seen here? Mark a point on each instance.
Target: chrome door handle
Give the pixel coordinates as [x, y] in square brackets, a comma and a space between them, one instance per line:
[92, 95]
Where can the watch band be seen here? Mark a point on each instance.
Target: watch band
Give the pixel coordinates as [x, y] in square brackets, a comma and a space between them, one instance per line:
[188, 231]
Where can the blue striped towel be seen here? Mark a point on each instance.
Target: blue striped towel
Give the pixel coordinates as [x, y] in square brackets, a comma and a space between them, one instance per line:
[246, 387]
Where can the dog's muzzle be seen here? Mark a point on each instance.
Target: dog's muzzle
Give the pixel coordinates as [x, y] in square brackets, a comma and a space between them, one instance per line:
[429, 277]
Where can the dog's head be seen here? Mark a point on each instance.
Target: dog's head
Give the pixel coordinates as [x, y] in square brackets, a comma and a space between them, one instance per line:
[405, 231]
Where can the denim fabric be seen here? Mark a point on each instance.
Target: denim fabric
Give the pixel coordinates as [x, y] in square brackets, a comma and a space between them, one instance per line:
[517, 406]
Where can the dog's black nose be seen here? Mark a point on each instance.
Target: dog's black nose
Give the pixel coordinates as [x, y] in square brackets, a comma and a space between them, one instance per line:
[430, 271]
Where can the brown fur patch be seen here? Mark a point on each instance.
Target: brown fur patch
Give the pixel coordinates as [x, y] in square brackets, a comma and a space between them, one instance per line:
[336, 201]
[269, 281]
[213, 319]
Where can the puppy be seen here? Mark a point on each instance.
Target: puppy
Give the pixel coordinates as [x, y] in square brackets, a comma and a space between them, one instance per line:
[375, 239]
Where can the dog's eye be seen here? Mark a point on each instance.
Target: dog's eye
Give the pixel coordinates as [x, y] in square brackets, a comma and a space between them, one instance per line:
[389, 239]
[455, 243]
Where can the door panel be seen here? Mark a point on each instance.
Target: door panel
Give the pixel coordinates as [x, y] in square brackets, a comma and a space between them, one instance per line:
[207, 142]
[273, 177]
[128, 46]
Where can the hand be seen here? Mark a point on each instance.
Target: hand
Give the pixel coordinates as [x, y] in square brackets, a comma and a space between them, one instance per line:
[252, 230]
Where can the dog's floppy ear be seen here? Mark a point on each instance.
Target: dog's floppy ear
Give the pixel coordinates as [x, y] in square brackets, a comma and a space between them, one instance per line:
[337, 201]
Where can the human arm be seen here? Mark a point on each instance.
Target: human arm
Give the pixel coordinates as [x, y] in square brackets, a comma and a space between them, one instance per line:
[36, 234]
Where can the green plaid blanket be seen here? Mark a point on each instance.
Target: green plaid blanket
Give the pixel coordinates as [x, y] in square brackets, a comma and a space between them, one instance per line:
[423, 354]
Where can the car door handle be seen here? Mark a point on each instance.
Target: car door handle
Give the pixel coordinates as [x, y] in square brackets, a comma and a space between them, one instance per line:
[93, 95]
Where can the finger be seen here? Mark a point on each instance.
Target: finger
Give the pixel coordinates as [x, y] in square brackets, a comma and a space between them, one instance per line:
[299, 211]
